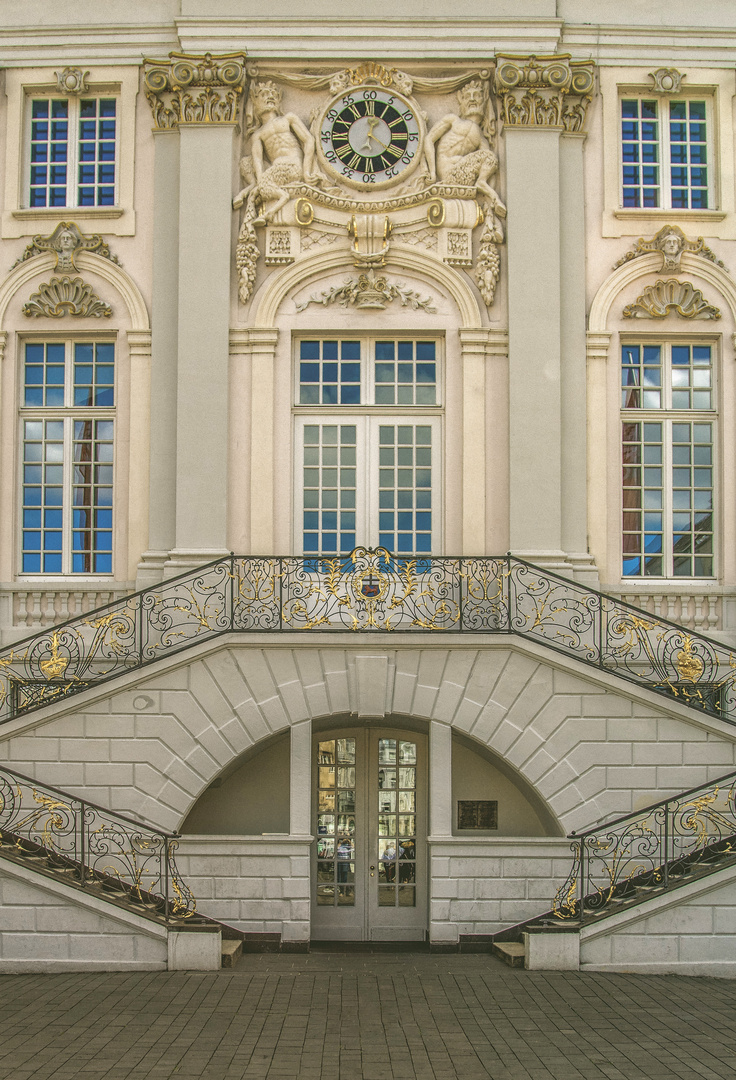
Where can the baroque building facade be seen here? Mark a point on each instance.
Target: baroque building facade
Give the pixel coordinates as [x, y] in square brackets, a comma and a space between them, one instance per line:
[370, 303]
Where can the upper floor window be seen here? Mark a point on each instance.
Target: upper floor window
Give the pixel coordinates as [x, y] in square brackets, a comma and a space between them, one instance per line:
[72, 152]
[668, 447]
[665, 153]
[368, 464]
[67, 434]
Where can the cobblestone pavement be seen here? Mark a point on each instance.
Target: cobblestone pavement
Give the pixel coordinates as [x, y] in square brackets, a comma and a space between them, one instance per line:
[374, 1016]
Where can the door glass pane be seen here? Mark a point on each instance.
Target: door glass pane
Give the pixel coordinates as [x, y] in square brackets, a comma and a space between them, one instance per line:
[396, 848]
[336, 831]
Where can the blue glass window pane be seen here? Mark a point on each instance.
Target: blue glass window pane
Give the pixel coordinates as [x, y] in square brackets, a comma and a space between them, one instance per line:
[309, 350]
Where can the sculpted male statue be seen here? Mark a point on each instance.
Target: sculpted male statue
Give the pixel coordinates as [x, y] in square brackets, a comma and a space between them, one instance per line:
[457, 150]
[282, 152]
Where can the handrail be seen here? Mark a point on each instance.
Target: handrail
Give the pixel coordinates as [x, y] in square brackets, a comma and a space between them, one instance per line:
[370, 591]
[649, 851]
[95, 844]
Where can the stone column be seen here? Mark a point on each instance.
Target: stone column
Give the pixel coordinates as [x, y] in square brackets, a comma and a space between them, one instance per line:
[573, 450]
[198, 97]
[300, 788]
[542, 98]
[164, 329]
[440, 779]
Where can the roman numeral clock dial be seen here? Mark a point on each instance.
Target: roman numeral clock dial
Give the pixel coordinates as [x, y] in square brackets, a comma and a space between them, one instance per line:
[369, 137]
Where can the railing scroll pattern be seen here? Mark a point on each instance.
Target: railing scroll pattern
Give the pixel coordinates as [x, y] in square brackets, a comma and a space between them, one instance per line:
[648, 852]
[369, 590]
[96, 848]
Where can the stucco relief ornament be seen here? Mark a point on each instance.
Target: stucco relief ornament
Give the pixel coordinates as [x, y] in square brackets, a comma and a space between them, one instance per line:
[658, 300]
[72, 80]
[370, 291]
[666, 81]
[282, 152]
[65, 241]
[194, 89]
[671, 242]
[544, 91]
[66, 296]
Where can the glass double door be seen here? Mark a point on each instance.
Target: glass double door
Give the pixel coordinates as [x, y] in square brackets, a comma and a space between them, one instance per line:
[369, 879]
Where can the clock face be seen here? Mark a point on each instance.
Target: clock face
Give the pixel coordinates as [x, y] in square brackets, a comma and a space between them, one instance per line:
[369, 137]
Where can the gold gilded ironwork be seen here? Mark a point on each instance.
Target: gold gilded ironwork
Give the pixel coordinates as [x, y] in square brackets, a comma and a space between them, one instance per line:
[56, 665]
[689, 666]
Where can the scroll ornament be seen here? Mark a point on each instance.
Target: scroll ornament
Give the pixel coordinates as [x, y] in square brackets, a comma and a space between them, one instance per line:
[671, 242]
[658, 300]
[199, 89]
[370, 291]
[65, 241]
[544, 91]
[66, 296]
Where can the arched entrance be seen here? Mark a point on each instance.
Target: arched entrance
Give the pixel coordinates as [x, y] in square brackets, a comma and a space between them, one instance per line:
[369, 861]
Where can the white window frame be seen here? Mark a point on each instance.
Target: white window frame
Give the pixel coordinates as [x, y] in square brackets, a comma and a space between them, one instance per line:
[667, 416]
[22, 85]
[368, 418]
[68, 413]
[664, 143]
[714, 85]
[72, 163]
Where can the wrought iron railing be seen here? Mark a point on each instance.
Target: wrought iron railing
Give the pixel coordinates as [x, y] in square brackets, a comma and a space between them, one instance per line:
[95, 848]
[648, 852]
[372, 591]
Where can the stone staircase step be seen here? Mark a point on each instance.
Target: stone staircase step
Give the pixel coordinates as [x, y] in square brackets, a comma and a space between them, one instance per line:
[511, 952]
[231, 950]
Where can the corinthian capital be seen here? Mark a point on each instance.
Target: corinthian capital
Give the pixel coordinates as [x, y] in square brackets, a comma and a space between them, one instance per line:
[194, 89]
[544, 91]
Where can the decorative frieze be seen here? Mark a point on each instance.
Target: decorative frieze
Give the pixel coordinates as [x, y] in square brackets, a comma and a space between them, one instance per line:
[66, 296]
[544, 91]
[65, 241]
[671, 242]
[658, 300]
[191, 89]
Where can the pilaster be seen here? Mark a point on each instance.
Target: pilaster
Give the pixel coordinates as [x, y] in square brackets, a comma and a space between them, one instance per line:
[440, 779]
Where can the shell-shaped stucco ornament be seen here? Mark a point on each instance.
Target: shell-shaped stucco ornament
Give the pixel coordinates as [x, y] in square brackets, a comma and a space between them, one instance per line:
[658, 300]
[66, 296]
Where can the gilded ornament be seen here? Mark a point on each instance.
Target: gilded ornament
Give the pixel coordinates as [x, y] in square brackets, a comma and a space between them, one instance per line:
[66, 296]
[690, 667]
[369, 291]
[56, 665]
[169, 85]
[65, 241]
[544, 91]
[671, 242]
[658, 300]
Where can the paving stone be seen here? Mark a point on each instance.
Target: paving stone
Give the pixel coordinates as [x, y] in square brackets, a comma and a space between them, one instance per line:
[363, 1016]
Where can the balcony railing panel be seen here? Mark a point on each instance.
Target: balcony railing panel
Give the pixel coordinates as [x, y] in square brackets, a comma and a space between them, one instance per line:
[368, 591]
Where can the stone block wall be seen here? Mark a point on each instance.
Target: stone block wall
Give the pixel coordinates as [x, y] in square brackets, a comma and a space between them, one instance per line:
[258, 884]
[479, 887]
[45, 926]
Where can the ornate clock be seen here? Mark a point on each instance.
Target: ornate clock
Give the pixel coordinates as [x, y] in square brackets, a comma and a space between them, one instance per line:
[369, 137]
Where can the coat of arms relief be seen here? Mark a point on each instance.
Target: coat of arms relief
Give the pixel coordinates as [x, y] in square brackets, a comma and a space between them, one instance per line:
[370, 157]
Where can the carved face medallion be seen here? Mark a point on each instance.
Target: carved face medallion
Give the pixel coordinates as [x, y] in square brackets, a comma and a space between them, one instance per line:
[369, 137]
